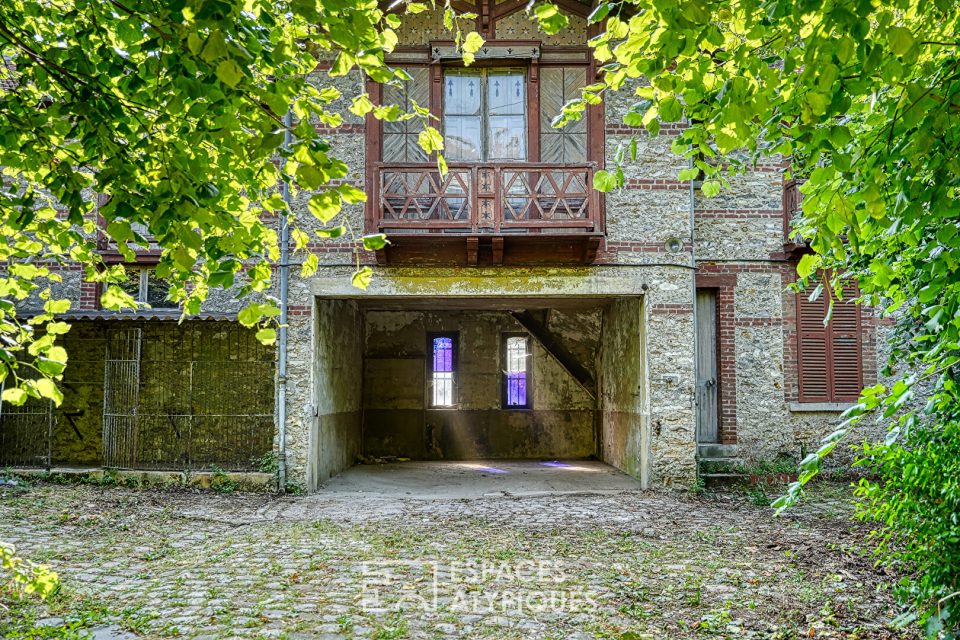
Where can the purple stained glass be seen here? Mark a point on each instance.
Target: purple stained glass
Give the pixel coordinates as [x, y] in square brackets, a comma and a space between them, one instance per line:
[516, 371]
[517, 389]
[442, 372]
[442, 355]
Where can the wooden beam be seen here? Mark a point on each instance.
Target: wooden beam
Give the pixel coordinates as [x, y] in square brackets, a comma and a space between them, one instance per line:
[473, 245]
[555, 348]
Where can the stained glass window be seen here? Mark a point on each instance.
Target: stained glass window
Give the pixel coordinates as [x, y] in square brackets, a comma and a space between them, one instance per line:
[516, 369]
[442, 382]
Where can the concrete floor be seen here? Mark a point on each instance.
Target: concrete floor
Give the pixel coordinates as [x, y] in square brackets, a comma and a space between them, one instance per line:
[480, 478]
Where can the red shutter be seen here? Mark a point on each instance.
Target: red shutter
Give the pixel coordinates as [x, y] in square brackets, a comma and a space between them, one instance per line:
[829, 357]
[812, 345]
[845, 347]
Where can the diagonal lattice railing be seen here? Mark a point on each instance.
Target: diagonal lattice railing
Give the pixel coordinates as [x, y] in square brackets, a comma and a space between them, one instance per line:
[489, 198]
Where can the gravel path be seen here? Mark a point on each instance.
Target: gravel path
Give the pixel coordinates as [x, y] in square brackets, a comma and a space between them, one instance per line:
[625, 566]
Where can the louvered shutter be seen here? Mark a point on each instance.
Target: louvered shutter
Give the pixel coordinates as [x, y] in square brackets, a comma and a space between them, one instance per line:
[845, 347]
[813, 354]
[829, 356]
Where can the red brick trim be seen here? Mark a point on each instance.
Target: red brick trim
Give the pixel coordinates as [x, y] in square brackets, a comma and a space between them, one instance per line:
[671, 308]
[89, 296]
[299, 310]
[723, 280]
[346, 127]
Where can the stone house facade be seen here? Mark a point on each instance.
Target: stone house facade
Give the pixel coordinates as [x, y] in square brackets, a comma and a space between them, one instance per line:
[516, 313]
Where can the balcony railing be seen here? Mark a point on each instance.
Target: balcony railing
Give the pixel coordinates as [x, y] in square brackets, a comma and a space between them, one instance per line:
[490, 199]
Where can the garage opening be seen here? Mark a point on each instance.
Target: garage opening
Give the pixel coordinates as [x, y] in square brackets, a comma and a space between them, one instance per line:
[480, 379]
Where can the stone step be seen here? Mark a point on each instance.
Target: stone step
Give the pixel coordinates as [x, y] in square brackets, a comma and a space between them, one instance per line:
[711, 450]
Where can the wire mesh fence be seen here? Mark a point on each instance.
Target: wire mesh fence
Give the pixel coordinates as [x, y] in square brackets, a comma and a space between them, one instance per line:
[196, 396]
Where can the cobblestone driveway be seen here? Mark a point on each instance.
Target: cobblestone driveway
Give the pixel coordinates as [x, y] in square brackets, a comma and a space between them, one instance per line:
[625, 566]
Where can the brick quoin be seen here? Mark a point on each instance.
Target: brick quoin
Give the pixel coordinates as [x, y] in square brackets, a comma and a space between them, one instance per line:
[89, 296]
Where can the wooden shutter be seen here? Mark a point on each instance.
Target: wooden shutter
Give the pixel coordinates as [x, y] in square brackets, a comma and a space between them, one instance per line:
[557, 86]
[829, 356]
[813, 358]
[400, 139]
[845, 347]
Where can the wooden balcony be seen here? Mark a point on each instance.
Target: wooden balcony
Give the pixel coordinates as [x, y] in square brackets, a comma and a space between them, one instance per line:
[491, 214]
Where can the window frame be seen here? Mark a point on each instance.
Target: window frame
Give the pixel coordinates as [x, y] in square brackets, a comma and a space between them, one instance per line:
[143, 287]
[454, 365]
[504, 381]
[483, 74]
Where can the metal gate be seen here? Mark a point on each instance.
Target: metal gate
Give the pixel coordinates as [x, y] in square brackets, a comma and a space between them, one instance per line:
[121, 397]
[26, 434]
[188, 397]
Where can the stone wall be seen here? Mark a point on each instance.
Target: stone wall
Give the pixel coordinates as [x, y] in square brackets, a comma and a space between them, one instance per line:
[337, 390]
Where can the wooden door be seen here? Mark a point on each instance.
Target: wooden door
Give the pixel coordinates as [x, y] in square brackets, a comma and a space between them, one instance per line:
[707, 397]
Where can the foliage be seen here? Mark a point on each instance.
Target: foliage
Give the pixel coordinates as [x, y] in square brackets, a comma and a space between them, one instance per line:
[919, 491]
[20, 578]
[864, 99]
[167, 119]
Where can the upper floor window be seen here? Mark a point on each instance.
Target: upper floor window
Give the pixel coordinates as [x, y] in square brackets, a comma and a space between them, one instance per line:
[490, 114]
[443, 351]
[485, 114]
[144, 286]
[830, 363]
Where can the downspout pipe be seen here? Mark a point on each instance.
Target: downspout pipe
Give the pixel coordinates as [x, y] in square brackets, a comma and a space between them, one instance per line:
[282, 337]
[693, 300]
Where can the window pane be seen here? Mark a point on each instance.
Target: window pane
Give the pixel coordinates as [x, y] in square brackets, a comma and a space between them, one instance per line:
[518, 359]
[157, 291]
[442, 372]
[400, 138]
[132, 284]
[461, 138]
[508, 138]
[506, 93]
[461, 95]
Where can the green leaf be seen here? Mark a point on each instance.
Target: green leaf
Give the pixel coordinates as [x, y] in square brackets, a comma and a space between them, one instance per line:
[472, 43]
[604, 181]
[710, 188]
[361, 105]
[250, 315]
[230, 73]
[324, 206]
[808, 265]
[362, 277]
[430, 140]
[14, 395]
[375, 242]
[267, 335]
[549, 18]
[48, 389]
[56, 306]
[599, 13]
[351, 195]
[901, 40]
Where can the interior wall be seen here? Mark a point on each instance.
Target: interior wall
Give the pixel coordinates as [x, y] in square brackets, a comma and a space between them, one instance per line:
[621, 366]
[338, 384]
[399, 422]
